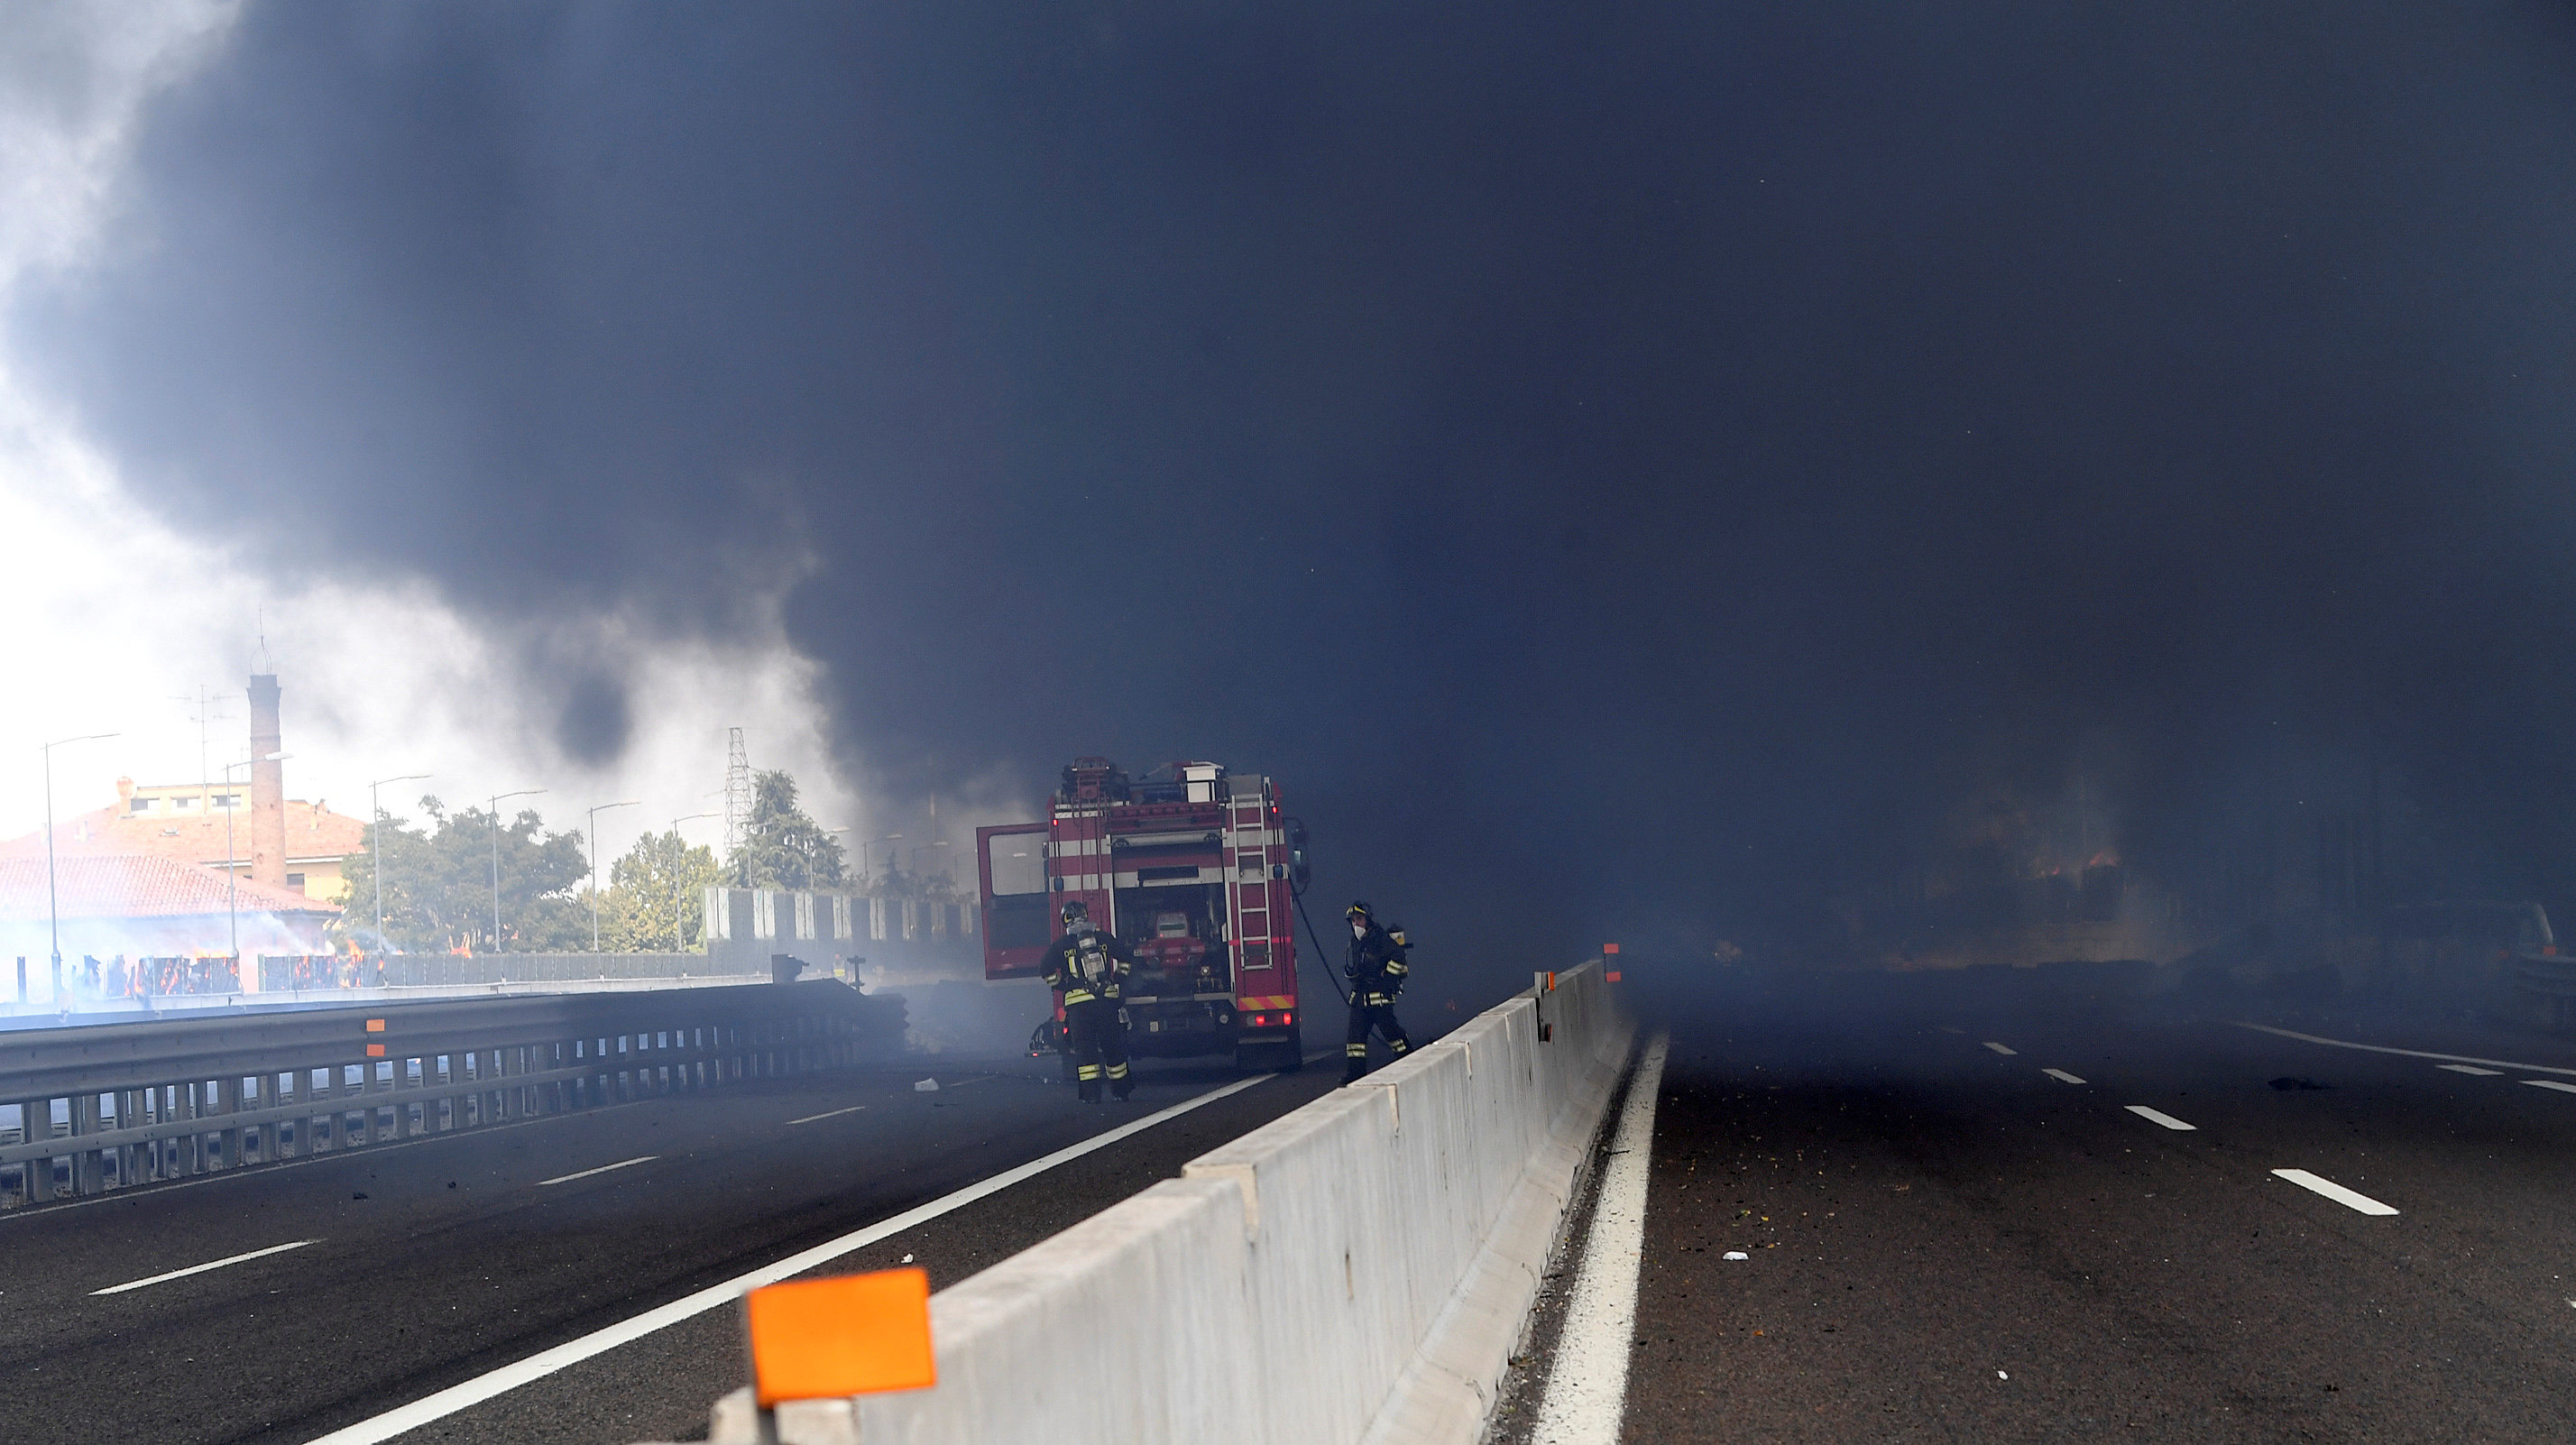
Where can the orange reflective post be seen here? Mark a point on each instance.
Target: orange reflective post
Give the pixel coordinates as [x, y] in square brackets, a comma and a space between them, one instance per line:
[853, 1335]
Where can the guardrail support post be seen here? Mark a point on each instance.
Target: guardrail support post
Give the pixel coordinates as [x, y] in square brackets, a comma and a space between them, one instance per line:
[325, 1122]
[228, 1100]
[36, 1121]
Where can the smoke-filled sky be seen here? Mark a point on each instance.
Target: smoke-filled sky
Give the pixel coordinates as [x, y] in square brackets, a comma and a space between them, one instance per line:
[1617, 464]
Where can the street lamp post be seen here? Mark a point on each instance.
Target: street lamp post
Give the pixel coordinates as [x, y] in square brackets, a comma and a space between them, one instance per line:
[376, 854]
[53, 902]
[679, 856]
[496, 858]
[594, 864]
[232, 870]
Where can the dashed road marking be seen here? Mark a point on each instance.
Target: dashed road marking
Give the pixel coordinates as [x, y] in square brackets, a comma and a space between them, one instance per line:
[2062, 1076]
[2349, 1199]
[1998, 1048]
[2159, 1116]
[2563, 1088]
[836, 1113]
[202, 1268]
[2470, 1069]
[602, 1169]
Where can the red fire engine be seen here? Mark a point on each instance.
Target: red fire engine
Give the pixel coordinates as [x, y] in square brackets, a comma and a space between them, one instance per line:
[1196, 870]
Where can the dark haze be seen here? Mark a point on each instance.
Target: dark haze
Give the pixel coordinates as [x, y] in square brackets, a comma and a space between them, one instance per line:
[1630, 470]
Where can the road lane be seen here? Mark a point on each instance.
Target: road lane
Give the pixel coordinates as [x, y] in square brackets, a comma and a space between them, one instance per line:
[440, 1261]
[1944, 1243]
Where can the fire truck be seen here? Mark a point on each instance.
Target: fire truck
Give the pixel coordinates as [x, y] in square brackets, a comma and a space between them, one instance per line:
[1196, 870]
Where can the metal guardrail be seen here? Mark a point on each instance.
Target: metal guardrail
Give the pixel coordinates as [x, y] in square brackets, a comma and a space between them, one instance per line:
[2546, 974]
[2547, 983]
[120, 1105]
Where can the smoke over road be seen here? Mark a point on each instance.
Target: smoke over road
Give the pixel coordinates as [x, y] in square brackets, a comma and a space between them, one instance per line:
[1620, 466]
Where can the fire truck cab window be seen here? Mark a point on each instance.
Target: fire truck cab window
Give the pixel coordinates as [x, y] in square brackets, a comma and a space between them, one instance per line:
[1015, 864]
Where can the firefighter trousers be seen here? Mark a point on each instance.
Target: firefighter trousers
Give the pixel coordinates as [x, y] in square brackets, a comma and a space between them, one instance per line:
[1370, 1011]
[1099, 1048]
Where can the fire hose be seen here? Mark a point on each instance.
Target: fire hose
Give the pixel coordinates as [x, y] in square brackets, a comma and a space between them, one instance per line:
[1318, 940]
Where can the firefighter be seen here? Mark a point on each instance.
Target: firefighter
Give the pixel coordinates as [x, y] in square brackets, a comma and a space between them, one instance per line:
[1087, 966]
[1376, 971]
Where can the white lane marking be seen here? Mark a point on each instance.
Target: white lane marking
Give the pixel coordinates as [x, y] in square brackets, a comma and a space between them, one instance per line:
[836, 1113]
[509, 1377]
[2407, 1053]
[1587, 1390]
[2331, 1190]
[602, 1169]
[2062, 1075]
[2551, 1084]
[2159, 1116]
[1998, 1048]
[202, 1268]
[2470, 1069]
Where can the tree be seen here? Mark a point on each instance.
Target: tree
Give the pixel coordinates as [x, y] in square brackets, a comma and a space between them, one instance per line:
[438, 885]
[660, 883]
[783, 848]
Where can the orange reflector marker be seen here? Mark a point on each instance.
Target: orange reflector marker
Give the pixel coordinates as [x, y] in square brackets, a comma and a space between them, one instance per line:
[1609, 948]
[375, 1026]
[1614, 975]
[375, 1051]
[857, 1334]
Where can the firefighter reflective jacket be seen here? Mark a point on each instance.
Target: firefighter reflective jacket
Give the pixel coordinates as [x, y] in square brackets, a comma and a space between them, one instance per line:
[1087, 964]
[1377, 968]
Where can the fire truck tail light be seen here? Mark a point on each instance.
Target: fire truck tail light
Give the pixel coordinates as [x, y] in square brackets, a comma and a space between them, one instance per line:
[1286, 1019]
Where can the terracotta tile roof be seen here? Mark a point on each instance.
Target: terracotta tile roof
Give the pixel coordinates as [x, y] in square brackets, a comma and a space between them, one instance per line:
[96, 885]
[312, 831]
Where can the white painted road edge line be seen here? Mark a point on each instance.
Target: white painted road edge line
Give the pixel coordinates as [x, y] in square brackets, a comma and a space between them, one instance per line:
[2159, 1116]
[1587, 1388]
[2062, 1075]
[1998, 1048]
[836, 1113]
[2551, 1084]
[598, 1342]
[202, 1268]
[2407, 1053]
[2470, 1069]
[602, 1169]
[2331, 1190]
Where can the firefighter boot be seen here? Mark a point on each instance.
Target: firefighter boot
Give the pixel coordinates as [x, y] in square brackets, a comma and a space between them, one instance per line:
[1354, 1061]
[1120, 1086]
[1087, 1089]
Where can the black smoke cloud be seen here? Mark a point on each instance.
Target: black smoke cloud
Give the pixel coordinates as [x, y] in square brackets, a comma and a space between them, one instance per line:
[1622, 465]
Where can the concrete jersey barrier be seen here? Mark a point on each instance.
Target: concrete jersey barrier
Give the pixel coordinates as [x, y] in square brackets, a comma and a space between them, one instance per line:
[1355, 1271]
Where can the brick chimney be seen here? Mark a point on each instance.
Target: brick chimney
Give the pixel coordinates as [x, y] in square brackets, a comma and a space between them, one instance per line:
[267, 786]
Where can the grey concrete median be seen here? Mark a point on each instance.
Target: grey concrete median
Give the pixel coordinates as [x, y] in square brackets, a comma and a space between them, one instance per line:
[1355, 1271]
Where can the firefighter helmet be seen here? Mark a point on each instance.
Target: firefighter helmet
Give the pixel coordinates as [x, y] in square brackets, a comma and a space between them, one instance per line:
[1358, 910]
[1075, 908]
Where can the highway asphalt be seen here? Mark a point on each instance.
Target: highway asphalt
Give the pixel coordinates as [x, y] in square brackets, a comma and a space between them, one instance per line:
[397, 1272]
[1947, 1241]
